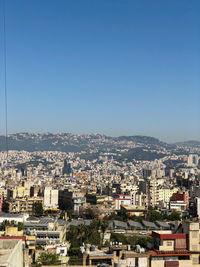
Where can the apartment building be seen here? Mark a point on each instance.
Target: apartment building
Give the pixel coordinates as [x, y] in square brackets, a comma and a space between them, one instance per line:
[25, 205]
[50, 198]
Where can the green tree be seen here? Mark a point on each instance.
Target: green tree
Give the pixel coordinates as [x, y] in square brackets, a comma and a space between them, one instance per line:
[136, 218]
[72, 237]
[174, 216]
[37, 209]
[20, 226]
[94, 238]
[48, 259]
[114, 216]
[155, 216]
[104, 225]
[73, 260]
[6, 223]
[73, 251]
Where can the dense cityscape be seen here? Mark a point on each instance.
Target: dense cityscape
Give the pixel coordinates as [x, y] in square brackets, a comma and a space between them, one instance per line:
[99, 133]
[98, 200]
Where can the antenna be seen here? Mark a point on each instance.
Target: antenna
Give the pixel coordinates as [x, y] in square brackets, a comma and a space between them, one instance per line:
[5, 76]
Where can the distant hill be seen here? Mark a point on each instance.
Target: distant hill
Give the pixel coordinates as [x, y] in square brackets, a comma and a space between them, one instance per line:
[92, 145]
[191, 143]
[142, 139]
[70, 142]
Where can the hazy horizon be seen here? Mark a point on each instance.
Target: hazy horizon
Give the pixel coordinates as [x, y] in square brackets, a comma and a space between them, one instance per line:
[109, 67]
[104, 134]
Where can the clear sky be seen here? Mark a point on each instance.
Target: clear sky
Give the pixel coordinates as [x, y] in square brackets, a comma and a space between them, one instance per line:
[116, 67]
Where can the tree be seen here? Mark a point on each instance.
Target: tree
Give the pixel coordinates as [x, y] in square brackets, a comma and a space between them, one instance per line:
[72, 237]
[48, 259]
[73, 260]
[5, 206]
[20, 226]
[174, 216]
[6, 223]
[104, 225]
[62, 215]
[37, 209]
[114, 216]
[89, 213]
[155, 215]
[136, 218]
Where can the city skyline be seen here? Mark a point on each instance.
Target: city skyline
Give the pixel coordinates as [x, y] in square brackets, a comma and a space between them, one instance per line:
[108, 67]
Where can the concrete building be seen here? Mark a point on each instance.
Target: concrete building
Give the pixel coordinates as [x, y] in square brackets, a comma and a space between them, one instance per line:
[13, 217]
[47, 231]
[71, 200]
[152, 191]
[25, 205]
[191, 229]
[115, 256]
[181, 196]
[178, 206]
[122, 199]
[11, 253]
[1, 203]
[28, 241]
[198, 207]
[170, 250]
[134, 210]
[164, 195]
[193, 160]
[50, 198]
[19, 192]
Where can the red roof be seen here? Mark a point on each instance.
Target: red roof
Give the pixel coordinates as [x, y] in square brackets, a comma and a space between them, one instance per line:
[171, 264]
[23, 238]
[169, 236]
[168, 253]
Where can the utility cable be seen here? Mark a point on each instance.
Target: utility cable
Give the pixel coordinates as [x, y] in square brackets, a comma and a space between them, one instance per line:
[5, 77]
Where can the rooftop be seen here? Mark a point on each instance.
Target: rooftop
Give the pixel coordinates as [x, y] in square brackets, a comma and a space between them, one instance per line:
[168, 254]
[10, 215]
[7, 247]
[165, 235]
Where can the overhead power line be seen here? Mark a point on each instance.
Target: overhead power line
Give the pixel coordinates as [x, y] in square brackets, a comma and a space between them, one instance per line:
[5, 76]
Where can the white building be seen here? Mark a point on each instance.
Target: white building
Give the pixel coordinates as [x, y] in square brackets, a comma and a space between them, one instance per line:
[193, 160]
[122, 199]
[178, 205]
[13, 217]
[198, 206]
[50, 198]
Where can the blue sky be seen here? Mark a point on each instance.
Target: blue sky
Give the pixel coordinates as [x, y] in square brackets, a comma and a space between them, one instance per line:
[117, 67]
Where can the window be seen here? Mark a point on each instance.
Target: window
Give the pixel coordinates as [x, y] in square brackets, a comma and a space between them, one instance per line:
[194, 234]
[169, 243]
[195, 260]
[194, 247]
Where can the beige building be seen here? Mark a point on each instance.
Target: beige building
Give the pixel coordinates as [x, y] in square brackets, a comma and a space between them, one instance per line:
[24, 205]
[164, 194]
[50, 198]
[18, 192]
[11, 253]
[179, 249]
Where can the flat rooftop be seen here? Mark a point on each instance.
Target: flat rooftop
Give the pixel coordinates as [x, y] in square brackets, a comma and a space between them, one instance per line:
[4, 255]
[7, 246]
